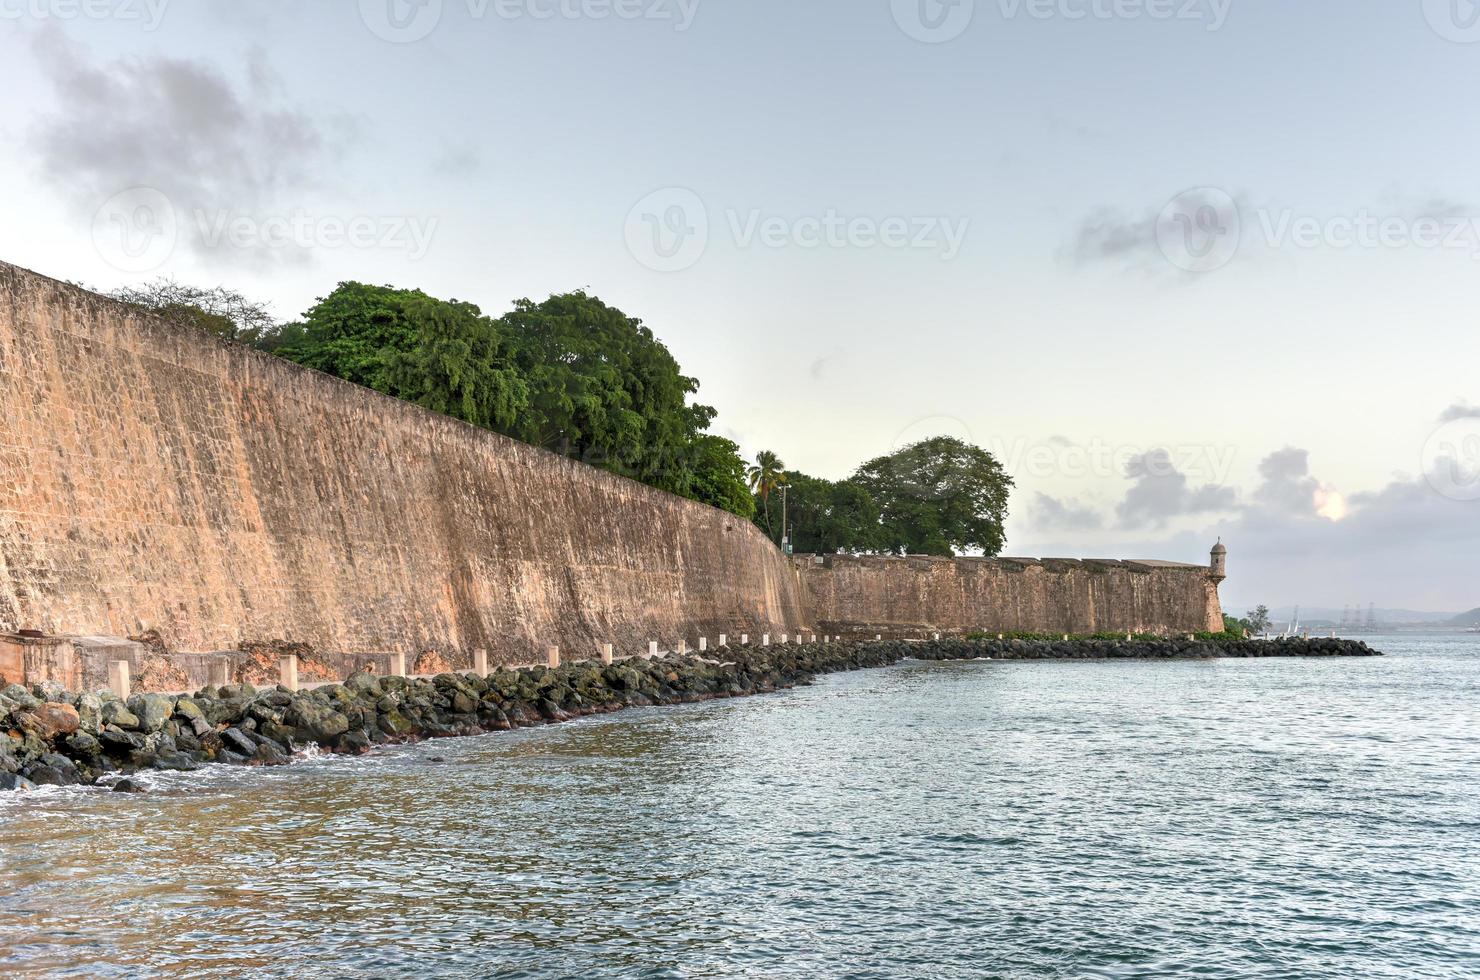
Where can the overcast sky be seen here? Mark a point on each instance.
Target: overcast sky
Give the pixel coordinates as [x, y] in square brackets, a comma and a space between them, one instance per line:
[1190, 267]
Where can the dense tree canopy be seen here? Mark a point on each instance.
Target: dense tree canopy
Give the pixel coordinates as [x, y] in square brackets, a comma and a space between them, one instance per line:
[719, 475]
[605, 390]
[826, 517]
[939, 497]
[570, 374]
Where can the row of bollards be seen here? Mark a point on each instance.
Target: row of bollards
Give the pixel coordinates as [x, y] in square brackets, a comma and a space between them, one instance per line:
[120, 680]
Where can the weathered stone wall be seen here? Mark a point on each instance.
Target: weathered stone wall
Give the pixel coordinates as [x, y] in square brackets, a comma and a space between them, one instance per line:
[916, 595]
[152, 477]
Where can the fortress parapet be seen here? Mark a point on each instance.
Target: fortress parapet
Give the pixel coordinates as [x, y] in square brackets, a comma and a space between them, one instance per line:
[910, 595]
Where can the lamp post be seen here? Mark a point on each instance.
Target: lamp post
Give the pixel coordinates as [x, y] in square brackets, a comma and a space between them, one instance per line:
[785, 536]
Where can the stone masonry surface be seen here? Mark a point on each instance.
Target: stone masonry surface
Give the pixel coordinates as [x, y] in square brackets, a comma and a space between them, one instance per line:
[155, 478]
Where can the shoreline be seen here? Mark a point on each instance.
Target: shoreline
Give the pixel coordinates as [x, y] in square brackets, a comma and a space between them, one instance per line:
[54, 737]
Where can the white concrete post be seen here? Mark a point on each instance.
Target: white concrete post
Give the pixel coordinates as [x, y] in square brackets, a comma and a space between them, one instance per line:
[683, 646]
[745, 639]
[480, 663]
[1066, 637]
[937, 636]
[999, 636]
[398, 665]
[552, 655]
[606, 653]
[1127, 637]
[722, 639]
[652, 648]
[703, 643]
[765, 639]
[784, 637]
[118, 678]
[288, 672]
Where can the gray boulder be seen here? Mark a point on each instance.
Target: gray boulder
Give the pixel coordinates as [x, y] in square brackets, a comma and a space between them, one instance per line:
[116, 713]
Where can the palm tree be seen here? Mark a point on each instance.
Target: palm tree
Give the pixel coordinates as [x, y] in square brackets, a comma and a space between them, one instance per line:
[766, 475]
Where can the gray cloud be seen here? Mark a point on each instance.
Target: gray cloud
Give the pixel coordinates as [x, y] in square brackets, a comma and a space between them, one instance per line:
[1287, 486]
[1161, 493]
[1460, 410]
[1110, 235]
[179, 126]
[1403, 545]
[459, 161]
[1068, 515]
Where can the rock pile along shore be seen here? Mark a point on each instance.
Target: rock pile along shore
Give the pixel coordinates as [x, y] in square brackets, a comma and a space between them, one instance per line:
[51, 737]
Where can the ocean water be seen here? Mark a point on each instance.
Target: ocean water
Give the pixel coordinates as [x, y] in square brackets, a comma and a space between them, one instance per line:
[1291, 818]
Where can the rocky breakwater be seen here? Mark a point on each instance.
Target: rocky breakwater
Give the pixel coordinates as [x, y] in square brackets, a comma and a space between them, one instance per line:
[1207, 646]
[51, 737]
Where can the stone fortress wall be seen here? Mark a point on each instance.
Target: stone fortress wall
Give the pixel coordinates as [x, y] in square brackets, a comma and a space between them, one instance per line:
[154, 478]
[899, 597]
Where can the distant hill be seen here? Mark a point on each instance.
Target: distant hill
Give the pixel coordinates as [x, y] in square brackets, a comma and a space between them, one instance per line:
[1470, 618]
[1330, 615]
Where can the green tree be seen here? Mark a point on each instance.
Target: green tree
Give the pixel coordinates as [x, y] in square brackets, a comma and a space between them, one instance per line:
[939, 497]
[603, 389]
[765, 476]
[444, 355]
[570, 374]
[461, 366]
[719, 476]
[828, 517]
[356, 332]
[1258, 620]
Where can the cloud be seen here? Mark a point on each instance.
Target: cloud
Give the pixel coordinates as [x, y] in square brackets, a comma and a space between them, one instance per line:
[182, 127]
[1107, 234]
[1068, 515]
[1460, 410]
[1294, 539]
[459, 161]
[1161, 493]
[1287, 486]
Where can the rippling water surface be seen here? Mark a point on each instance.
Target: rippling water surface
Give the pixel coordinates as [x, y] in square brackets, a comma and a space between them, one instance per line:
[1212, 819]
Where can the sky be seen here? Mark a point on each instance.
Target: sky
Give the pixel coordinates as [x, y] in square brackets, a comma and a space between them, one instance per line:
[1190, 268]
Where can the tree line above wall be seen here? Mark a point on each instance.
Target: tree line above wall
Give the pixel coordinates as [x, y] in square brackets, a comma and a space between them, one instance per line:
[582, 379]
